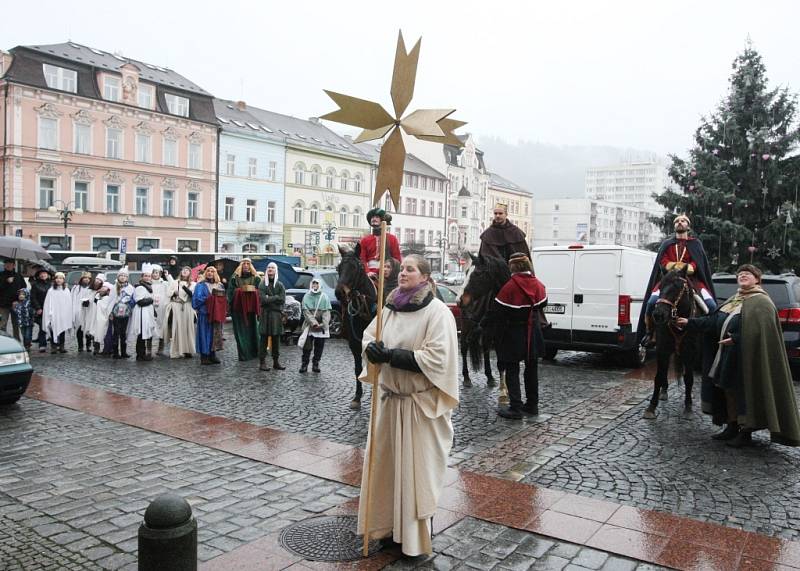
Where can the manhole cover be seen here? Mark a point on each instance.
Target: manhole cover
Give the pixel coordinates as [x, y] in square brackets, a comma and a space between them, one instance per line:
[326, 538]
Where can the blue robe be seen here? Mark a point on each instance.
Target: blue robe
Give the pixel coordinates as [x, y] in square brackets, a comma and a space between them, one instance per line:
[205, 330]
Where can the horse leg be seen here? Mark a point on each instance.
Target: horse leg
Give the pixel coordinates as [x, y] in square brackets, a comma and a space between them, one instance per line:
[664, 392]
[355, 348]
[464, 366]
[688, 382]
[487, 366]
[659, 381]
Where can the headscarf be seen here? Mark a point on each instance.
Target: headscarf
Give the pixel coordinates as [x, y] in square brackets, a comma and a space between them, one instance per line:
[159, 269]
[316, 300]
[272, 265]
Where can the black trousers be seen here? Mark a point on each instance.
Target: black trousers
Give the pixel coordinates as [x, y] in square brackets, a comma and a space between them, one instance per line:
[57, 341]
[531, 379]
[276, 347]
[315, 343]
[119, 332]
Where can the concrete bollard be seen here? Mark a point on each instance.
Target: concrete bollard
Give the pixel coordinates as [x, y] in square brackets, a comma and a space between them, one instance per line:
[168, 536]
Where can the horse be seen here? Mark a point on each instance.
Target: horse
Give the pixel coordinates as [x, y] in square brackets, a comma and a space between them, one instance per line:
[677, 300]
[484, 278]
[358, 297]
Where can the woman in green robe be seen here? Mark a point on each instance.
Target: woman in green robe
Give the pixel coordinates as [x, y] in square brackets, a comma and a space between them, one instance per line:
[749, 382]
[245, 309]
[271, 295]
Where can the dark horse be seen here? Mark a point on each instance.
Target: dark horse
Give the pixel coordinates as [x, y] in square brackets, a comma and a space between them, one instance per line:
[358, 298]
[677, 300]
[485, 277]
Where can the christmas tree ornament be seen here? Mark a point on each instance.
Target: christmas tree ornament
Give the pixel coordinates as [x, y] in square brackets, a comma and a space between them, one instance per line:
[773, 252]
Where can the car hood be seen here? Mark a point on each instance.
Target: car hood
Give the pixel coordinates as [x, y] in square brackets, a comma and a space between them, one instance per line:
[9, 345]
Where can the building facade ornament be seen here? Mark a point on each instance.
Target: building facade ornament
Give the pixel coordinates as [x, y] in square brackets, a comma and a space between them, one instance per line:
[193, 186]
[143, 128]
[169, 183]
[48, 169]
[83, 117]
[114, 122]
[82, 173]
[141, 179]
[170, 134]
[194, 137]
[129, 88]
[113, 177]
[48, 111]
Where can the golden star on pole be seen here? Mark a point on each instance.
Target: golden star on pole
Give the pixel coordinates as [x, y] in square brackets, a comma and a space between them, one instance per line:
[426, 124]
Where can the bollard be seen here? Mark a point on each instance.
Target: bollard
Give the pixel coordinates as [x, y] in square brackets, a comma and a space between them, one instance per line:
[168, 536]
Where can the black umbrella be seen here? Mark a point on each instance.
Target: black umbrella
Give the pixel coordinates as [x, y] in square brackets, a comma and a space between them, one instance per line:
[22, 249]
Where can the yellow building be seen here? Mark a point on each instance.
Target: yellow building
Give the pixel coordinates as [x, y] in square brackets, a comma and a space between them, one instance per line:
[519, 201]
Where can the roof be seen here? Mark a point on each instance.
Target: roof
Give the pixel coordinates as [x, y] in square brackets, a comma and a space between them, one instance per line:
[498, 181]
[235, 120]
[412, 164]
[464, 192]
[72, 51]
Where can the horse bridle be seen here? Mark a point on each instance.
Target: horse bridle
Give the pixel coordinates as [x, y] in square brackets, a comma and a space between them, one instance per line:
[674, 314]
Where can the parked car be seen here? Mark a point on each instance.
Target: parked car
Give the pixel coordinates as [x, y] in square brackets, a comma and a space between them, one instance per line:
[437, 277]
[328, 280]
[450, 299]
[784, 291]
[453, 278]
[15, 369]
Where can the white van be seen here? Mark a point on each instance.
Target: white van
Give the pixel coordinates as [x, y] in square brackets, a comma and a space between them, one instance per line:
[594, 297]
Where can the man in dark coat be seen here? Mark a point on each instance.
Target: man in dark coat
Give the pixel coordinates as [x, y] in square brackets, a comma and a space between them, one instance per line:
[512, 317]
[11, 282]
[677, 252]
[272, 296]
[39, 289]
[502, 238]
[172, 267]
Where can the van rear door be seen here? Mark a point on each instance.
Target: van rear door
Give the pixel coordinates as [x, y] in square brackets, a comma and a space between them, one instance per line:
[596, 296]
[554, 269]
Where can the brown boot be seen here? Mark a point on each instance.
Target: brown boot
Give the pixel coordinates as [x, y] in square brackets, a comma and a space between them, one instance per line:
[262, 364]
[649, 339]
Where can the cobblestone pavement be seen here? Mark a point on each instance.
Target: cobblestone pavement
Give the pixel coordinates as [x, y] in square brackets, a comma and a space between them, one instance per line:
[75, 486]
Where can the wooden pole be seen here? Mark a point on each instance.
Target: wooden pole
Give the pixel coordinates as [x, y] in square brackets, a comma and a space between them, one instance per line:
[373, 374]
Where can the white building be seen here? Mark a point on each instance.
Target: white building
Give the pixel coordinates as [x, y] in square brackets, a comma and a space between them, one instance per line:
[631, 184]
[565, 221]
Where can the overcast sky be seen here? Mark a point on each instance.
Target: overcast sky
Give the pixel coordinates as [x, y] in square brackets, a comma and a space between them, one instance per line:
[628, 74]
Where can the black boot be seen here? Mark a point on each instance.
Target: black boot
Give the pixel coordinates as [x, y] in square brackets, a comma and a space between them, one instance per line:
[212, 359]
[729, 433]
[124, 351]
[304, 367]
[277, 366]
[743, 438]
[262, 364]
[531, 409]
[510, 413]
[315, 367]
[204, 360]
[79, 337]
[96, 348]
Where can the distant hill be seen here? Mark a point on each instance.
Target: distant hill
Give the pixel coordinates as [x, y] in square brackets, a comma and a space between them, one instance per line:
[551, 171]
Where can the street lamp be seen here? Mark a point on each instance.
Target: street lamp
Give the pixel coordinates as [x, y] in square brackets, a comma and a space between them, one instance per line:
[442, 243]
[65, 212]
[329, 231]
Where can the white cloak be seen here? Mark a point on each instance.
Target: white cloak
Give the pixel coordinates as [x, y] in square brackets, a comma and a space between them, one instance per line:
[160, 298]
[179, 320]
[143, 320]
[101, 315]
[80, 313]
[413, 430]
[57, 312]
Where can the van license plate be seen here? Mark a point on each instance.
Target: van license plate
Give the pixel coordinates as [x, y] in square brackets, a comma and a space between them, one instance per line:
[555, 308]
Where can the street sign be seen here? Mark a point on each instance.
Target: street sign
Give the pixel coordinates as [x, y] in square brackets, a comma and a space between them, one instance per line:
[123, 245]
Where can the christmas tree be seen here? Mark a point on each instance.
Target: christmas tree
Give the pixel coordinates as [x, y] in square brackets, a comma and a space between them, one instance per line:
[739, 185]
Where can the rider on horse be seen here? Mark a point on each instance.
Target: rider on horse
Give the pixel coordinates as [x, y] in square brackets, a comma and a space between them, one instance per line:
[682, 251]
[370, 252]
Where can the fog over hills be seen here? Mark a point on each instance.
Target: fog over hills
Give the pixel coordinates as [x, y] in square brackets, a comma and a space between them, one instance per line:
[552, 171]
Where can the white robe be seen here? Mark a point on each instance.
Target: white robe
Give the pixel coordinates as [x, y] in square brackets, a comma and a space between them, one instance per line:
[413, 430]
[160, 305]
[57, 315]
[179, 320]
[101, 315]
[142, 321]
[79, 293]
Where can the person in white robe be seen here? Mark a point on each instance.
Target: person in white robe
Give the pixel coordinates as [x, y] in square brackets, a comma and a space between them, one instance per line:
[417, 390]
[179, 319]
[160, 300]
[57, 314]
[103, 303]
[142, 326]
[81, 291]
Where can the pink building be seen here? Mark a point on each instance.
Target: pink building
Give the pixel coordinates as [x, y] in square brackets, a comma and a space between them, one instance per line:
[130, 148]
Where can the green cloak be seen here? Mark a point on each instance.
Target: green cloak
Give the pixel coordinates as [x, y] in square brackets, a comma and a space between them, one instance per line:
[244, 330]
[272, 297]
[768, 389]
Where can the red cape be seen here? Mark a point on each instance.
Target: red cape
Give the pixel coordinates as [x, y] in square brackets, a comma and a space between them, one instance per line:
[522, 290]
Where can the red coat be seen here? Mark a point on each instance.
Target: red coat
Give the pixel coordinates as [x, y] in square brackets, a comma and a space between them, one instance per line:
[679, 252]
[370, 251]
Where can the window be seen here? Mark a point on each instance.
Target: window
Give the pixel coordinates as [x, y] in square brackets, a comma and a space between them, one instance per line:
[463, 212]
[145, 96]
[101, 244]
[357, 183]
[252, 168]
[313, 215]
[192, 205]
[299, 173]
[315, 176]
[230, 165]
[430, 237]
[430, 208]
[250, 211]
[81, 196]
[111, 88]
[271, 211]
[177, 105]
[298, 212]
[195, 156]
[47, 192]
[167, 203]
[343, 217]
[422, 207]
[343, 184]
[421, 239]
[112, 198]
[272, 171]
[143, 148]
[424, 181]
[188, 245]
[83, 139]
[356, 217]
[147, 244]
[113, 143]
[170, 153]
[329, 176]
[142, 200]
[229, 204]
[55, 242]
[60, 78]
[48, 133]
[439, 210]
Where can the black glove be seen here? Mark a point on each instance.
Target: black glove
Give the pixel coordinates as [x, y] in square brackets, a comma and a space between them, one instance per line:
[85, 303]
[404, 359]
[378, 352]
[145, 302]
[95, 300]
[187, 290]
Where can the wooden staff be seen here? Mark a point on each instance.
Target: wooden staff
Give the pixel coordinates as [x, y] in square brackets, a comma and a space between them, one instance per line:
[373, 375]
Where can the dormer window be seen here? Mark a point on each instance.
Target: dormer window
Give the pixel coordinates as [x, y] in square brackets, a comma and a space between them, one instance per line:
[177, 105]
[112, 88]
[60, 78]
[146, 96]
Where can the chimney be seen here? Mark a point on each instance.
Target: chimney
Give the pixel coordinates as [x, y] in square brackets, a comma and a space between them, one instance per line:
[314, 120]
[241, 105]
